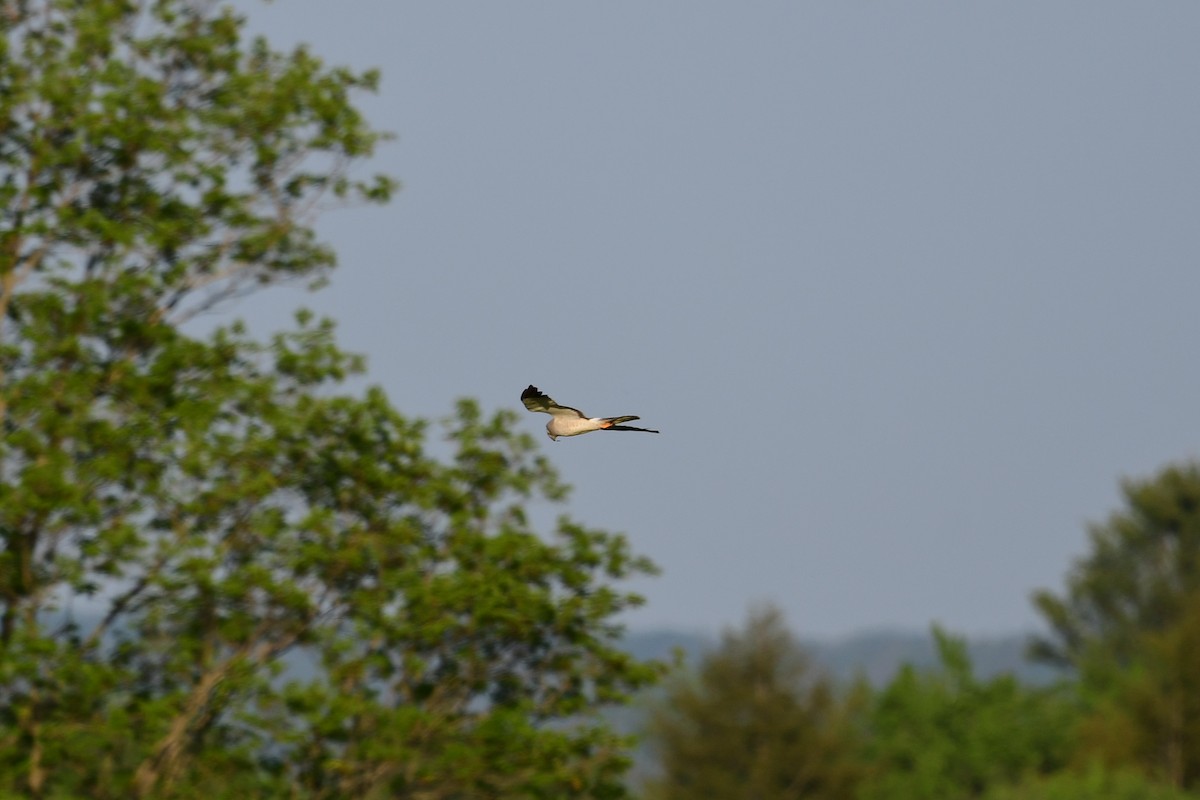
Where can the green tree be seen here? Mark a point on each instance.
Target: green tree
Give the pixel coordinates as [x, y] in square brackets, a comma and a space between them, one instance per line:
[180, 514]
[1094, 784]
[1129, 623]
[754, 721]
[1146, 712]
[945, 734]
[1141, 575]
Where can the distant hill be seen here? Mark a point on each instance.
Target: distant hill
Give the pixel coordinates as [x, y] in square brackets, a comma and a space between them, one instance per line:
[876, 655]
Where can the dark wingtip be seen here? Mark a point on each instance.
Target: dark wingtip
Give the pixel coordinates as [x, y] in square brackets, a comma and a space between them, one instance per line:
[530, 391]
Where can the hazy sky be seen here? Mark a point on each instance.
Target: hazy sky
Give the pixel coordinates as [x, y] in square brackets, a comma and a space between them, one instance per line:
[908, 287]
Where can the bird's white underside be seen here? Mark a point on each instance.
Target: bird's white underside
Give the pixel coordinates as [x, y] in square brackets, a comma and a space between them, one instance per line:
[572, 425]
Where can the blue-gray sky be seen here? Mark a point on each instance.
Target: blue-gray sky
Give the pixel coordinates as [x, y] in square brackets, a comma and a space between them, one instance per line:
[907, 287]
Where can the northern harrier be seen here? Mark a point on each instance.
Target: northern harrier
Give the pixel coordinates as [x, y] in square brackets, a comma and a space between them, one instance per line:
[567, 421]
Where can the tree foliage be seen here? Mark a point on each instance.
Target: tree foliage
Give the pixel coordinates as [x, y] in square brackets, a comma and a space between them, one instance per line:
[1130, 624]
[180, 516]
[754, 721]
[1146, 713]
[146, 147]
[1142, 574]
[945, 734]
[1093, 784]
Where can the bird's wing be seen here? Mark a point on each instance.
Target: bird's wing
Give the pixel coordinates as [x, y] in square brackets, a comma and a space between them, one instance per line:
[536, 401]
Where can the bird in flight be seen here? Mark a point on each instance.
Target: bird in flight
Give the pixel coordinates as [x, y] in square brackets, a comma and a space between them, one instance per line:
[567, 421]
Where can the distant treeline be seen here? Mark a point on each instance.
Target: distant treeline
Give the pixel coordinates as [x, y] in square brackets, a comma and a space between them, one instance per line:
[875, 655]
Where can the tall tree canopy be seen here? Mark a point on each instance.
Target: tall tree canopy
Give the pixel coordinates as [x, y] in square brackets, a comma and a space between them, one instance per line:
[219, 575]
[755, 720]
[1142, 573]
[1129, 622]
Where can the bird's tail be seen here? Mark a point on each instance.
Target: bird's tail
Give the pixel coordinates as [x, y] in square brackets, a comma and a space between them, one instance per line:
[613, 424]
[617, 420]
